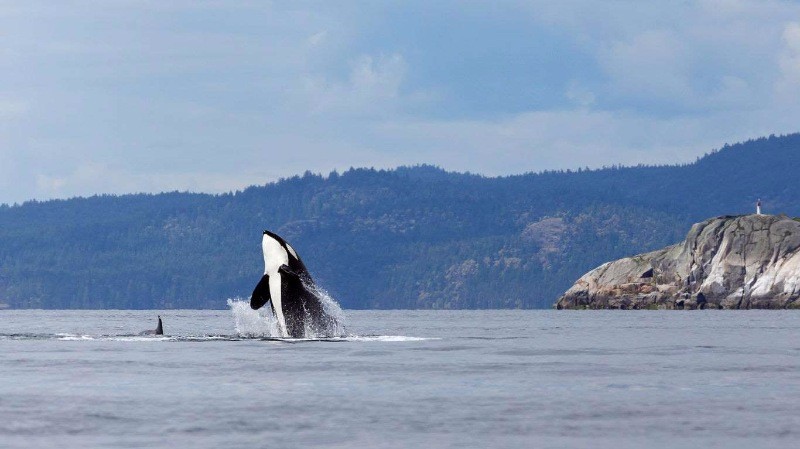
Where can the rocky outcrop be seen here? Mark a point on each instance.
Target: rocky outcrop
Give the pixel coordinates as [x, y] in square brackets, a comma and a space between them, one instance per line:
[744, 262]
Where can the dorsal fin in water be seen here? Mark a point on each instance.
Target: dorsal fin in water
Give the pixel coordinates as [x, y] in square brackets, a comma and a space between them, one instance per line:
[159, 330]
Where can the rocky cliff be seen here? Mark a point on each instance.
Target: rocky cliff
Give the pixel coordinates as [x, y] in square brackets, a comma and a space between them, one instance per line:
[743, 262]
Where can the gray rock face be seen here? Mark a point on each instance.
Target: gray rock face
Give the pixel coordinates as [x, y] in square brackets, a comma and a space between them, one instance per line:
[745, 262]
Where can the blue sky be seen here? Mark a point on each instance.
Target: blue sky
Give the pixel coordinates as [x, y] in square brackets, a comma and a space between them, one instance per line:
[145, 96]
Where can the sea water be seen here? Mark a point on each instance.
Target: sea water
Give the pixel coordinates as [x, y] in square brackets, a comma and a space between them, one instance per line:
[398, 379]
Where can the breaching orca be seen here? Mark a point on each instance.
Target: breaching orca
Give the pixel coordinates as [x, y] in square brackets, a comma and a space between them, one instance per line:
[289, 288]
[158, 331]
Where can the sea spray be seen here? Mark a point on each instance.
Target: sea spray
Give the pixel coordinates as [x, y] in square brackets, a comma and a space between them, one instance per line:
[253, 323]
[263, 323]
[334, 325]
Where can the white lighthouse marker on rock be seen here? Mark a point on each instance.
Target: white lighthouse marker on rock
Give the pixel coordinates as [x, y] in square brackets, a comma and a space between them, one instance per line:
[758, 207]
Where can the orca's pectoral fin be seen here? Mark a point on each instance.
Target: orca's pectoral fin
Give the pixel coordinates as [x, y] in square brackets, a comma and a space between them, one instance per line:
[286, 271]
[260, 294]
[292, 276]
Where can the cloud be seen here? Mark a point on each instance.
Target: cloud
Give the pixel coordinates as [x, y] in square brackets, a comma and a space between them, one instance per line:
[580, 95]
[213, 96]
[676, 58]
[652, 65]
[788, 86]
[373, 86]
[108, 179]
[317, 38]
[575, 138]
[11, 109]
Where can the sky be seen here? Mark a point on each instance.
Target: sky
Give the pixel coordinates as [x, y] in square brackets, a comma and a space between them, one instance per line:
[123, 96]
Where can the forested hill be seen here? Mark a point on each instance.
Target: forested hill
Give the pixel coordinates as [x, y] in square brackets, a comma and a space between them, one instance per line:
[413, 237]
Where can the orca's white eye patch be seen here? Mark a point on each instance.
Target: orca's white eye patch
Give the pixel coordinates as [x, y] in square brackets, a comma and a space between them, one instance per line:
[291, 251]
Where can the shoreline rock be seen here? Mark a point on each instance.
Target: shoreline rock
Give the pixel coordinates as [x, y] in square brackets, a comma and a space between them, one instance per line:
[729, 262]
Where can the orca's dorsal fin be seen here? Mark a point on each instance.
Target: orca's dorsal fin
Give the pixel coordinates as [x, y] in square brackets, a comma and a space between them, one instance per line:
[160, 327]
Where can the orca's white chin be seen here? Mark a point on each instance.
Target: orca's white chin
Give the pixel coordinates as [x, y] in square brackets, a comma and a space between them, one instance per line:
[277, 303]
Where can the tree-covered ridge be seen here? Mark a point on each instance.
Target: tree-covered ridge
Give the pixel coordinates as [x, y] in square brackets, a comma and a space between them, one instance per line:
[414, 237]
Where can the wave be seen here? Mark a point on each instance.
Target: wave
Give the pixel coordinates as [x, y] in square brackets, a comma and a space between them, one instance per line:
[209, 338]
[249, 324]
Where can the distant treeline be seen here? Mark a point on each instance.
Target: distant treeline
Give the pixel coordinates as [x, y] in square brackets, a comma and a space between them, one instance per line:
[413, 237]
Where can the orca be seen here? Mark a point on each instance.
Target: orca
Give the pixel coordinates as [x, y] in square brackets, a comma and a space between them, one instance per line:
[289, 289]
[159, 330]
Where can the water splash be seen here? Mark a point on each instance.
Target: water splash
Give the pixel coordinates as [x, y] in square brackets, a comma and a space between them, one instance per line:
[253, 323]
[208, 338]
[336, 321]
[263, 323]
